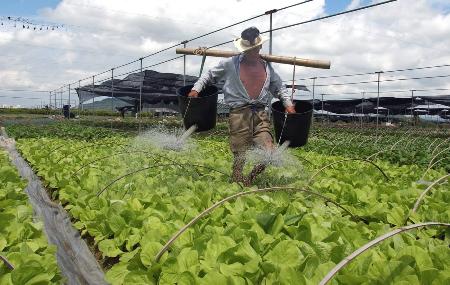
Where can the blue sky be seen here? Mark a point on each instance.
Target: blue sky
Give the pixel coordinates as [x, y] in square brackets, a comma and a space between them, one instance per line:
[31, 7]
[333, 6]
[24, 7]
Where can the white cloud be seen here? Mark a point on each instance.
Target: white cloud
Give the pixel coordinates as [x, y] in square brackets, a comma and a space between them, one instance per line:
[10, 77]
[5, 38]
[101, 34]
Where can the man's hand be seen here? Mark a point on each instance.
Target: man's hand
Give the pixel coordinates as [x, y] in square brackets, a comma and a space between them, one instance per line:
[290, 110]
[193, 94]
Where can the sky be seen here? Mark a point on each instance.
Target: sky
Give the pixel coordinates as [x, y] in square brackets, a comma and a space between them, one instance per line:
[96, 35]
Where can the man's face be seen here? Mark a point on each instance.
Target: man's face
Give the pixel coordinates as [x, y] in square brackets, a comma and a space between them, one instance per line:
[254, 51]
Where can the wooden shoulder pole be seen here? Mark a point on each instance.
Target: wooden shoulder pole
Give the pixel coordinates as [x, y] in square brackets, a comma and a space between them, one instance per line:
[270, 58]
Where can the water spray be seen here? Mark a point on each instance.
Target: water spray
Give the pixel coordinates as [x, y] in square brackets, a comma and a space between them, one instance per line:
[176, 140]
[275, 157]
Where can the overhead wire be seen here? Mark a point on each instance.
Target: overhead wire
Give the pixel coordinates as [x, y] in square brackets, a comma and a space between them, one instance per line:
[384, 80]
[195, 38]
[25, 90]
[26, 22]
[396, 91]
[373, 73]
[290, 6]
[133, 71]
[365, 98]
[296, 24]
[126, 12]
[312, 20]
[276, 29]
[20, 97]
[331, 16]
[284, 27]
[249, 19]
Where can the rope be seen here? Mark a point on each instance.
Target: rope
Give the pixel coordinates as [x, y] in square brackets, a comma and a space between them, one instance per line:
[197, 51]
[187, 107]
[200, 51]
[282, 129]
[202, 65]
[292, 98]
[293, 80]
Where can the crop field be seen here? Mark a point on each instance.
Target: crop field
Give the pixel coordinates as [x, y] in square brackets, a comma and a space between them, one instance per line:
[27, 257]
[152, 215]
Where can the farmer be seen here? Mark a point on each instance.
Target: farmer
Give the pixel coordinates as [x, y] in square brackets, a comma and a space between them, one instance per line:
[249, 82]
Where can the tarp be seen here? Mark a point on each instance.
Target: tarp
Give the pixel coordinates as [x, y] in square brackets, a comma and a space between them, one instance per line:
[443, 99]
[161, 88]
[76, 261]
[156, 87]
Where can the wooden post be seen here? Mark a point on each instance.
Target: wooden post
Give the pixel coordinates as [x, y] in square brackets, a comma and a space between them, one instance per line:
[270, 58]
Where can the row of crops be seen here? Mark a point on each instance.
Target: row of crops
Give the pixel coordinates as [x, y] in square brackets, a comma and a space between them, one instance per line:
[25, 254]
[128, 198]
[423, 147]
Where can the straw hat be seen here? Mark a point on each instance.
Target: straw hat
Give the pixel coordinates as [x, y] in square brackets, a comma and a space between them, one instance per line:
[250, 38]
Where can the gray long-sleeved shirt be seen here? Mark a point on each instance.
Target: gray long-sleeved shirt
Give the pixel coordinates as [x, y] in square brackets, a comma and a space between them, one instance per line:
[234, 91]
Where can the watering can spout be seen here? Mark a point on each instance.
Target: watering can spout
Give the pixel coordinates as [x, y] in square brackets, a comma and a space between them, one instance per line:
[188, 133]
[283, 146]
